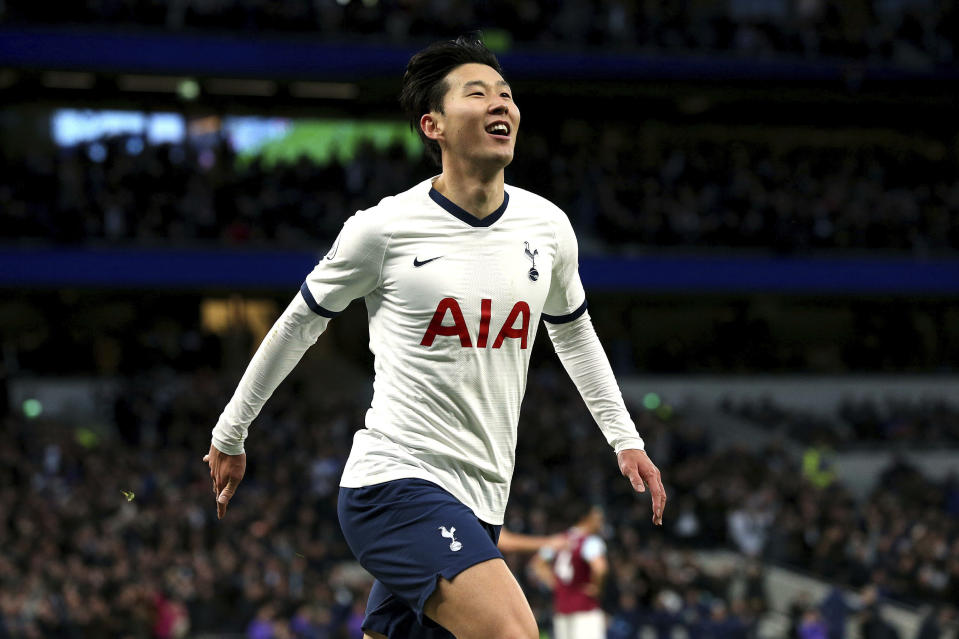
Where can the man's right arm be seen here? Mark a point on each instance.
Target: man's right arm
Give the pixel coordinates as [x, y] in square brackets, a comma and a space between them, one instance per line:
[293, 333]
[351, 269]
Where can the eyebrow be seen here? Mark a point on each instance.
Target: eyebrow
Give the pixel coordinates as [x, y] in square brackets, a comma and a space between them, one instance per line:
[503, 83]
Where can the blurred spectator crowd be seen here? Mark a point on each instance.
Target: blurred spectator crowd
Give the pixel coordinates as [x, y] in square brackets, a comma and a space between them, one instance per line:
[117, 333]
[929, 422]
[622, 192]
[111, 530]
[907, 32]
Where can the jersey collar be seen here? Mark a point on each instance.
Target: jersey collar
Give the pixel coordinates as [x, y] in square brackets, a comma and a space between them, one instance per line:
[466, 216]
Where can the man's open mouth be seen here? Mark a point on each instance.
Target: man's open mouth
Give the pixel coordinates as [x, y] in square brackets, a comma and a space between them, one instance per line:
[499, 129]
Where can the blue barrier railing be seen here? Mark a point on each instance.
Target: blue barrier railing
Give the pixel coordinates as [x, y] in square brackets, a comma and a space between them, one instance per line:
[306, 57]
[192, 269]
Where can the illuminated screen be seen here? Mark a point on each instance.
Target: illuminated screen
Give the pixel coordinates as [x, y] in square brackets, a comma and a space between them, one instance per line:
[279, 140]
[271, 139]
[70, 127]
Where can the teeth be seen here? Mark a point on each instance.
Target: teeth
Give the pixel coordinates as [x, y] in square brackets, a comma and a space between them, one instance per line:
[499, 129]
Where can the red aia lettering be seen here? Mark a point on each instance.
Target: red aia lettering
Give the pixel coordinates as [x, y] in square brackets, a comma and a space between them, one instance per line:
[458, 328]
[486, 312]
[436, 324]
[520, 308]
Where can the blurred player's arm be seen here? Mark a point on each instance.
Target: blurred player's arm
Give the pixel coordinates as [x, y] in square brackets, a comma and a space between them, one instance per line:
[597, 576]
[517, 542]
[542, 569]
[594, 552]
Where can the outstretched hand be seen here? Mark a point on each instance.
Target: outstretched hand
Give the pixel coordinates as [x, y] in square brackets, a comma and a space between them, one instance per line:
[227, 473]
[641, 472]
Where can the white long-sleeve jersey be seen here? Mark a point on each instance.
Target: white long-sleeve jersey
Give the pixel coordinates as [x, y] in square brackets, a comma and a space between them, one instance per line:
[453, 304]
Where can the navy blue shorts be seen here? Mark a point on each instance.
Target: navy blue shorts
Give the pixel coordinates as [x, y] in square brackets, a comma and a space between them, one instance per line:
[408, 533]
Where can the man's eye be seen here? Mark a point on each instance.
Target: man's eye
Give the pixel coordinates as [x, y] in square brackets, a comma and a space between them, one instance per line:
[476, 93]
[505, 95]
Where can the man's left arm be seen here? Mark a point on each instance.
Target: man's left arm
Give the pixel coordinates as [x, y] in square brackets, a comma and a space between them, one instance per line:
[584, 359]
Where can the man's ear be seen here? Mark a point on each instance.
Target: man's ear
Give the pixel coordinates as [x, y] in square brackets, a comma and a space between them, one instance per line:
[431, 126]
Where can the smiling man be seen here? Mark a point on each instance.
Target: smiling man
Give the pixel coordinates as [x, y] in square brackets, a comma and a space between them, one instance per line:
[456, 274]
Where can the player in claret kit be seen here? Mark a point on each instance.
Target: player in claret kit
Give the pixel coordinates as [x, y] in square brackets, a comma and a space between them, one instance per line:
[456, 274]
[575, 573]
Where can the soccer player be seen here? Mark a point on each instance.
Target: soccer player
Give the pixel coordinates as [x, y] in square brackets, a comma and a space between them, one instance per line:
[575, 574]
[456, 273]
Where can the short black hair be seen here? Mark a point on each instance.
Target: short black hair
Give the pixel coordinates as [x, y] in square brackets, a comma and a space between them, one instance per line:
[423, 83]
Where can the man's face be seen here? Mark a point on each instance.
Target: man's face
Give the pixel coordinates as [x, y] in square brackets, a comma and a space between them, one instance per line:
[480, 119]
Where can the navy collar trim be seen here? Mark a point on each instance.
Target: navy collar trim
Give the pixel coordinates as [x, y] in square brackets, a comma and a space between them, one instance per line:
[466, 216]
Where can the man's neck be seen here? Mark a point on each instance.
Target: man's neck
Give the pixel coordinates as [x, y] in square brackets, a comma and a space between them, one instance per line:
[476, 194]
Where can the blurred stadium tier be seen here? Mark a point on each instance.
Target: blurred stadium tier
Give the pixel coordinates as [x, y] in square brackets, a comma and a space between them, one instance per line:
[126, 380]
[767, 202]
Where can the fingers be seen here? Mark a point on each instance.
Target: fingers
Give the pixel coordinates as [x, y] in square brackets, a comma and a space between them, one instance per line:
[657, 494]
[224, 498]
[226, 471]
[217, 493]
[659, 501]
[641, 472]
[630, 469]
[635, 479]
[216, 488]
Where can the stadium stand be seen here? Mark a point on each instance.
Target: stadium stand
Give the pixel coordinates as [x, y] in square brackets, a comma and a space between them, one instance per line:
[804, 132]
[76, 539]
[700, 193]
[916, 33]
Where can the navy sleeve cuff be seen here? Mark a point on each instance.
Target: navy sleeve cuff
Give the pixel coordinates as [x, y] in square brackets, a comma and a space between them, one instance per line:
[311, 302]
[563, 319]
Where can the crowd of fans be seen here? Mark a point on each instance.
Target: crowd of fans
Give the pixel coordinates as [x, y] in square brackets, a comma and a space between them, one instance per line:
[623, 189]
[929, 422]
[111, 527]
[907, 32]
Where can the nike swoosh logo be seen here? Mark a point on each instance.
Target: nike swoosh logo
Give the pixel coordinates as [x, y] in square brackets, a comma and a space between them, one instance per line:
[417, 263]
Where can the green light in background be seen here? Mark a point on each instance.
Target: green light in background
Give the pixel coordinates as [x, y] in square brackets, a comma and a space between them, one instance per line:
[32, 408]
[188, 89]
[86, 437]
[325, 140]
[664, 412]
[651, 401]
[497, 40]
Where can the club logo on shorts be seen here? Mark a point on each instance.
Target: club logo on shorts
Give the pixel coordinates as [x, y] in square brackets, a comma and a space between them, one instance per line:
[533, 273]
[454, 545]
